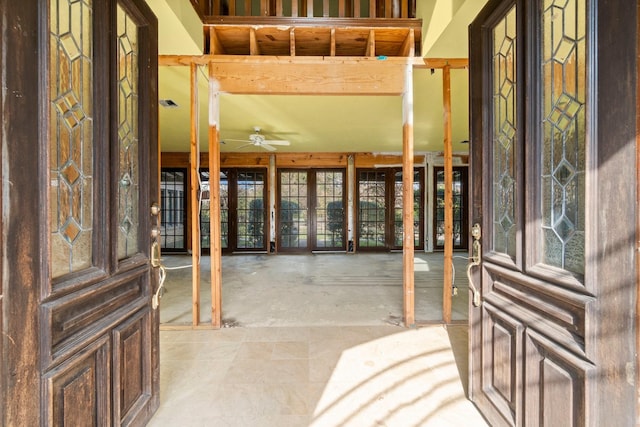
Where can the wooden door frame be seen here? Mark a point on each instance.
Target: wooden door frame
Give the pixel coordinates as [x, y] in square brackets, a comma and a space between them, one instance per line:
[24, 125]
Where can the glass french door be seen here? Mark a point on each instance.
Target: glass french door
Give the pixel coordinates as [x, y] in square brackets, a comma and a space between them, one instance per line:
[173, 205]
[311, 214]
[460, 227]
[379, 208]
[242, 210]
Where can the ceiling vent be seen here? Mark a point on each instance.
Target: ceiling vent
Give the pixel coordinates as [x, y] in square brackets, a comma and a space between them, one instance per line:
[168, 103]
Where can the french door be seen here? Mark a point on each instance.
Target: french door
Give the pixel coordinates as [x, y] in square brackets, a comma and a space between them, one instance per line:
[379, 209]
[173, 197]
[553, 113]
[243, 193]
[460, 211]
[311, 210]
[79, 330]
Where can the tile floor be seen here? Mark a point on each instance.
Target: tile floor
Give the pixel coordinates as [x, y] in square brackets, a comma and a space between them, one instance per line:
[315, 376]
[315, 342]
[317, 290]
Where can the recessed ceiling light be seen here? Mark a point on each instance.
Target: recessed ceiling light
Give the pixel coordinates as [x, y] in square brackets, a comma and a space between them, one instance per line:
[168, 103]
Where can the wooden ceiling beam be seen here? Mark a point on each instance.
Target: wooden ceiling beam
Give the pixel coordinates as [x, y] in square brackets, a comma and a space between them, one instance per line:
[451, 63]
[417, 62]
[321, 78]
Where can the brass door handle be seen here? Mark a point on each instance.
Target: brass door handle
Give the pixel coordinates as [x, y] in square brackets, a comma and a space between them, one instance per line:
[476, 254]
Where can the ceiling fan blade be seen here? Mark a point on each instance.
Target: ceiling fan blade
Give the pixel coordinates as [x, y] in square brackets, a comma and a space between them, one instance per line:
[276, 142]
[244, 145]
[267, 147]
[237, 140]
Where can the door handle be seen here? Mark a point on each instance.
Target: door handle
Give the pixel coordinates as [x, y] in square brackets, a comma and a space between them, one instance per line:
[156, 260]
[476, 254]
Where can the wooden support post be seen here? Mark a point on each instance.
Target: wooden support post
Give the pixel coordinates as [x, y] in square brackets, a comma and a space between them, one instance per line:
[194, 162]
[408, 278]
[214, 201]
[448, 197]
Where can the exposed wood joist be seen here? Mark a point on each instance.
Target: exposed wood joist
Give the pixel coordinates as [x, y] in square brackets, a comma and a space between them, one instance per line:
[340, 41]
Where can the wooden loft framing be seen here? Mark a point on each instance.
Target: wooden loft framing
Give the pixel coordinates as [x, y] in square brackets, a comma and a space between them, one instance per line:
[321, 76]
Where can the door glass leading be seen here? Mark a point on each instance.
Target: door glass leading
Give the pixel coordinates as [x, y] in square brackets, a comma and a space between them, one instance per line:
[564, 134]
[71, 135]
[128, 182]
[504, 135]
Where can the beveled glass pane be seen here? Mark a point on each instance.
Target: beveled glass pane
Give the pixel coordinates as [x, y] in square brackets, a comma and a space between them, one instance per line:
[129, 179]
[71, 135]
[564, 134]
[504, 135]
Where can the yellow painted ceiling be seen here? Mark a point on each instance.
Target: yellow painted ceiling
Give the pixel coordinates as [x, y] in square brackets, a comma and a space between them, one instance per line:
[321, 123]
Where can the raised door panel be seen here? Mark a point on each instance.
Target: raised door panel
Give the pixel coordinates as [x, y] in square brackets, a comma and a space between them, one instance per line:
[556, 384]
[72, 319]
[502, 368]
[77, 392]
[131, 367]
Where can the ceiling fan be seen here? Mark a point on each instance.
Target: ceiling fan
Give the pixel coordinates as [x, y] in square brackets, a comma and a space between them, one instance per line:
[257, 139]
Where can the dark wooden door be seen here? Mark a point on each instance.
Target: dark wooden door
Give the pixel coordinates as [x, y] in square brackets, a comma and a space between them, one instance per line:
[553, 121]
[82, 157]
